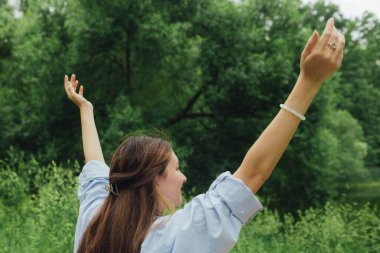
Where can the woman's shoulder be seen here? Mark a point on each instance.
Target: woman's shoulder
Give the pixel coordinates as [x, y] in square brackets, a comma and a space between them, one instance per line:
[94, 169]
[92, 181]
[213, 220]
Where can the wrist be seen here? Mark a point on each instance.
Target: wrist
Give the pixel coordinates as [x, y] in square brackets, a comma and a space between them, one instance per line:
[303, 94]
[310, 83]
[86, 106]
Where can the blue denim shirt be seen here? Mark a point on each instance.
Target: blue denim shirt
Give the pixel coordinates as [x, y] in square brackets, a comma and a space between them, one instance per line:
[210, 222]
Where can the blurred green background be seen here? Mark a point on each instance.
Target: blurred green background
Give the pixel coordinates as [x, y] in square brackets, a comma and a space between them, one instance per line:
[211, 74]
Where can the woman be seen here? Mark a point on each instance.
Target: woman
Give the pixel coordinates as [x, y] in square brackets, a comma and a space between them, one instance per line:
[121, 207]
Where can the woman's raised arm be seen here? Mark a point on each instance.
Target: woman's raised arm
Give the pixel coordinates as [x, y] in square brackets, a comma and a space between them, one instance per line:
[91, 144]
[319, 60]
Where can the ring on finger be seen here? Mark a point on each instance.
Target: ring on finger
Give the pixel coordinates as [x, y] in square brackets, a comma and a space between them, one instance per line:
[332, 45]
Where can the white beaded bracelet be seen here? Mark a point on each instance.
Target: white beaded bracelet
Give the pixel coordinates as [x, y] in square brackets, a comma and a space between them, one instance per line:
[290, 110]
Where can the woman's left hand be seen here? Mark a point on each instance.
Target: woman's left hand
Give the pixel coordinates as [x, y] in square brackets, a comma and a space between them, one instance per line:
[321, 58]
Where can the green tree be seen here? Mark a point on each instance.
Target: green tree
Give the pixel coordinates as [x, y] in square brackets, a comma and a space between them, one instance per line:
[211, 73]
[360, 75]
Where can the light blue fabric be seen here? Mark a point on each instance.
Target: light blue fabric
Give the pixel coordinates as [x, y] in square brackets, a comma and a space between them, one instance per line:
[210, 223]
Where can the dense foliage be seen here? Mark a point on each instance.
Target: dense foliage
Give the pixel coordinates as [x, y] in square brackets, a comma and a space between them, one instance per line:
[211, 73]
[45, 221]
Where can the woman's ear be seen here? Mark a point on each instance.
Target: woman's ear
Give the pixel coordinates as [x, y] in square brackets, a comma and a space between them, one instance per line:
[160, 180]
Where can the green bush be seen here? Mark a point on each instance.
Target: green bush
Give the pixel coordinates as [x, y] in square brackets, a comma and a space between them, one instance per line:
[334, 228]
[44, 221]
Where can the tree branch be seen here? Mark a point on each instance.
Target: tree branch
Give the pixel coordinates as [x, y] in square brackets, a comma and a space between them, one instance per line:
[184, 114]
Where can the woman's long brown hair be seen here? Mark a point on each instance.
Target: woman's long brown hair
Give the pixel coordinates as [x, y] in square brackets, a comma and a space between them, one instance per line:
[124, 220]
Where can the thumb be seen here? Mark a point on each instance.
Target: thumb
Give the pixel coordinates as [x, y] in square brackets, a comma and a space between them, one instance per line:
[310, 45]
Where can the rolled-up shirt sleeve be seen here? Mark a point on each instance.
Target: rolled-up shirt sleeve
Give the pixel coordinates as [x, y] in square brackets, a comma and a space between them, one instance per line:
[211, 222]
[92, 180]
[241, 201]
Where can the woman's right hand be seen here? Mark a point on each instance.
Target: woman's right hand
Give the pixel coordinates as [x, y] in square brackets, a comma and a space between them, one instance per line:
[76, 98]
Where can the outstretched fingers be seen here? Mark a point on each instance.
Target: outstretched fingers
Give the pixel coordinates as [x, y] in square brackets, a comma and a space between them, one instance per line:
[72, 79]
[67, 85]
[75, 85]
[65, 80]
[338, 54]
[325, 37]
[76, 97]
[310, 45]
[332, 43]
[70, 86]
[81, 88]
[74, 82]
